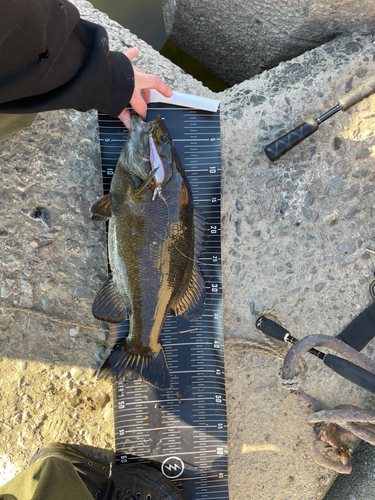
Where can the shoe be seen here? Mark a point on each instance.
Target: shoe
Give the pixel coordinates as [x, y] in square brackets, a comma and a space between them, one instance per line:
[113, 482]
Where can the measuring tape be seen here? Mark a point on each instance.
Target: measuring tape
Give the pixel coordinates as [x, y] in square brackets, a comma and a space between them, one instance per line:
[181, 432]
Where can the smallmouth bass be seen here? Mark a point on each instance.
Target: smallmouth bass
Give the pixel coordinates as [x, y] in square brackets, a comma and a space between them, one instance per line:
[154, 240]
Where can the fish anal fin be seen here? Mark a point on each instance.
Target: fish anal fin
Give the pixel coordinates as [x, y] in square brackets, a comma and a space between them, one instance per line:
[191, 303]
[102, 207]
[108, 304]
[126, 363]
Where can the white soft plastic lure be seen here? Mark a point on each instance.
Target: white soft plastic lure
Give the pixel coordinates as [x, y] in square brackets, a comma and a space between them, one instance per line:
[156, 163]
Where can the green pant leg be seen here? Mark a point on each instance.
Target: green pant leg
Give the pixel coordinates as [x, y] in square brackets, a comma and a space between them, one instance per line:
[11, 124]
[49, 479]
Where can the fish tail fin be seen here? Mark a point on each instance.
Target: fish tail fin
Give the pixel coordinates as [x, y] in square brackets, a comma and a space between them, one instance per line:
[125, 363]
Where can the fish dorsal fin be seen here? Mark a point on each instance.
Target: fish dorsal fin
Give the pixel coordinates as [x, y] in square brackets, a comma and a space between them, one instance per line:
[108, 304]
[102, 207]
[199, 229]
[191, 303]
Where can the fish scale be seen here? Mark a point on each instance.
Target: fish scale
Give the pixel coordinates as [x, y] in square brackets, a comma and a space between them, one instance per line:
[182, 431]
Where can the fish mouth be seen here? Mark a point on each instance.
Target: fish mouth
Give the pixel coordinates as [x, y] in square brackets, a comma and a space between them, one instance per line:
[140, 127]
[137, 122]
[144, 139]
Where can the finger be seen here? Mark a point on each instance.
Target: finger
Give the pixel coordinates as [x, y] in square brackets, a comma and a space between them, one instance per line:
[146, 81]
[159, 85]
[124, 116]
[131, 53]
[145, 93]
[137, 70]
[139, 105]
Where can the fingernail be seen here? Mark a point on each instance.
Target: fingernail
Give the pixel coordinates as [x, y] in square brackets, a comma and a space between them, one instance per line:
[127, 123]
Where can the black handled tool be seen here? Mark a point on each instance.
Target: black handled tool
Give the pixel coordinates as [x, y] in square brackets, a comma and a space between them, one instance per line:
[285, 143]
[343, 367]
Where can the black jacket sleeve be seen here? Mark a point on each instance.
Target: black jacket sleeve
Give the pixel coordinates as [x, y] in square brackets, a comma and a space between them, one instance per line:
[51, 59]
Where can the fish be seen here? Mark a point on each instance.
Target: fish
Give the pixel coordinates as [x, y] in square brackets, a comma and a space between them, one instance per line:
[155, 237]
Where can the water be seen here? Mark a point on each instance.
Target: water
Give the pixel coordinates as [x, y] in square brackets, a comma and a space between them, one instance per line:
[144, 18]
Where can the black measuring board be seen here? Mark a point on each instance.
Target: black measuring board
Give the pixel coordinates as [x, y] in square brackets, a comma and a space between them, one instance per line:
[183, 431]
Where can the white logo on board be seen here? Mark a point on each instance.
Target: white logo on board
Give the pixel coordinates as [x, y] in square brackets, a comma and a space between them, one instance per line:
[172, 467]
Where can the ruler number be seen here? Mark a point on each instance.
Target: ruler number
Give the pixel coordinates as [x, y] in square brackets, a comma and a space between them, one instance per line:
[121, 405]
[212, 170]
[213, 229]
[124, 459]
[218, 398]
[214, 287]
[220, 451]
[110, 171]
[220, 426]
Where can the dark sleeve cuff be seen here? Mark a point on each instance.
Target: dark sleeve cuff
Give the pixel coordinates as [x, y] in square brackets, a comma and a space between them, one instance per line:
[121, 86]
[60, 62]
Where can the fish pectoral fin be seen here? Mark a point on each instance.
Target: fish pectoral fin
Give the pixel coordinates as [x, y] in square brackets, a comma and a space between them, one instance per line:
[136, 192]
[126, 363]
[102, 207]
[108, 304]
[190, 303]
[98, 218]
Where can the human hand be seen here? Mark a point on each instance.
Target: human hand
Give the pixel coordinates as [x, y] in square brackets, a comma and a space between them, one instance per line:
[143, 82]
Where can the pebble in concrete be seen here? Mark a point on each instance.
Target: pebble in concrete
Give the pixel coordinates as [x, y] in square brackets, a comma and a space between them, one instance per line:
[347, 247]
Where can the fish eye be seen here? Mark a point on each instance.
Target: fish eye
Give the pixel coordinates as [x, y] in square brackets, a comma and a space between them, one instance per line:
[164, 139]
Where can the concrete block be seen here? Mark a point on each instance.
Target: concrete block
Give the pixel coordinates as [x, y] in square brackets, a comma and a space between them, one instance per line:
[239, 39]
[294, 238]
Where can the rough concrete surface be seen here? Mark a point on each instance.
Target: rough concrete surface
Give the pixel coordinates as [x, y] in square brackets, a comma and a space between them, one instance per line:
[294, 234]
[237, 39]
[294, 239]
[53, 261]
